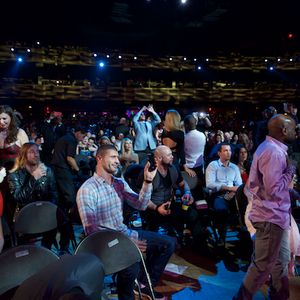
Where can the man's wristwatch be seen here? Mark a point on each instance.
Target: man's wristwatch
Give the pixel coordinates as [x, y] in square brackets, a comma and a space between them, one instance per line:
[148, 181]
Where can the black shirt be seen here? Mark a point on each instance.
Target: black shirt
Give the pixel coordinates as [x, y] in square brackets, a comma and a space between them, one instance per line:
[65, 146]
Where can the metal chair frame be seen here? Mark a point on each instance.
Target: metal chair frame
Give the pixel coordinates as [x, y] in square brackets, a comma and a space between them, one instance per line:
[110, 246]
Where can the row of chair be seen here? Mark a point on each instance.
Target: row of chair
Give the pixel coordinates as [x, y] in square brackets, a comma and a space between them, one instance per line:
[115, 250]
[36, 218]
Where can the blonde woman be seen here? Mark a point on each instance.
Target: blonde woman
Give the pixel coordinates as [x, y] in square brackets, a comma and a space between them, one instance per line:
[127, 156]
[173, 137]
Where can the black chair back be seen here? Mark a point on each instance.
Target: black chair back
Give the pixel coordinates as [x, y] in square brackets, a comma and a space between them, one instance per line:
[19, 263]
[115, 250]
[83, 272]
[36, 217]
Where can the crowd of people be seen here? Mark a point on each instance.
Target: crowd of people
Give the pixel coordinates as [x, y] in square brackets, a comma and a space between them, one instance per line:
[148, 163]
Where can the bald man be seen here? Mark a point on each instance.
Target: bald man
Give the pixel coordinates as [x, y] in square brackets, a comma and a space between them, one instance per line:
[165, 182]
[270, 176]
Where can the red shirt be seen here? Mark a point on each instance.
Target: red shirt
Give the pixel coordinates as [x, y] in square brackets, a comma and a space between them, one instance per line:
[1, 205]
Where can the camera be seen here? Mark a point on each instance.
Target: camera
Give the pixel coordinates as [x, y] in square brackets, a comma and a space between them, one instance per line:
[202, 115]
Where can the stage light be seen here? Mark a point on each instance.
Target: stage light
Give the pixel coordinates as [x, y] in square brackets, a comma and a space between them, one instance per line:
[170, 58]
[107, 56]
[120, 57]
[38, 43]
[195, 59]
[271, 68]
[207, 59]
[95, 54]
[12, 49]
[266, 60]
[290, 35]
[135, 58]
[291, 59]
[184, 58]
[183, 1]
[278, 59]
[101, 64]
[199, 68]
[28, 50]
[20, 59]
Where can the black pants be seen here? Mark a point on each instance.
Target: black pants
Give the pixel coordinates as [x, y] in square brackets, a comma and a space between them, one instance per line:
[67, 199]
[176, 219]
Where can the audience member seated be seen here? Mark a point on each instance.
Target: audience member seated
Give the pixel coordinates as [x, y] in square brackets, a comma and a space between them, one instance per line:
[223, 178]
[127, 155]
[83, 147]
[167, 179]
[100, 203]
[122, 127]
[243, 161]
[104, 140]
[32, 181]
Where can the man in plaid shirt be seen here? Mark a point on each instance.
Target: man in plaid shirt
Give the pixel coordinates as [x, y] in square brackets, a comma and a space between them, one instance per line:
[100, 203]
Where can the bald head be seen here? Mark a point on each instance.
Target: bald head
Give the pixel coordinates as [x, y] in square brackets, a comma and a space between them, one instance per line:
[282, 128]
[163, 156]
[161, 150]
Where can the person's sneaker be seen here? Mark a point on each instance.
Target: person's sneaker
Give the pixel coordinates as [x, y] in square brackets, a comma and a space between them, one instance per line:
[146, 293]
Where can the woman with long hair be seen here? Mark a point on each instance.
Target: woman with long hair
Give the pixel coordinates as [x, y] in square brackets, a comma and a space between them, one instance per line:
[127, 155]
[243, 160]
[11, 137]
[173, 136]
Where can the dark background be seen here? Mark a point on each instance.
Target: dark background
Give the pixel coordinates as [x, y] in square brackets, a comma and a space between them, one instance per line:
[157, 26]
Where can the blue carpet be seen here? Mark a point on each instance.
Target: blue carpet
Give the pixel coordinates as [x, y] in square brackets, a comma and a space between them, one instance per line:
[221, 286]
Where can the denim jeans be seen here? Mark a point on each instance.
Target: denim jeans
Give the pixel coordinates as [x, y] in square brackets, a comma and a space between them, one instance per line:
[159, 250]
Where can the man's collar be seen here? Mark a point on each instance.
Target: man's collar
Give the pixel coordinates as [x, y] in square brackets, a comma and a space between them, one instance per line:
[221, 164]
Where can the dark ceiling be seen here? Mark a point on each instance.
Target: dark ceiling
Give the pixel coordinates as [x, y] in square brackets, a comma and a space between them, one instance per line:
[158, 26]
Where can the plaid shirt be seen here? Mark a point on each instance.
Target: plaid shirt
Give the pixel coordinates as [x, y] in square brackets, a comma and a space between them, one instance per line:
[100, 204]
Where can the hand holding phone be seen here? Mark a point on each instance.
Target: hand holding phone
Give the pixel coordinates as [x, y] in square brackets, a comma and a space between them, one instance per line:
[152, 162]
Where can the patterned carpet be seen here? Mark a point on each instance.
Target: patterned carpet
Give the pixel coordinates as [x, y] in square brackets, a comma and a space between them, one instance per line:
[191, 275]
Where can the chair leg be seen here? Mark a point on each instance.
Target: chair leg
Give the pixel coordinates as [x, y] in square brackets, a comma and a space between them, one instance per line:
[139, 289]
[148, 276]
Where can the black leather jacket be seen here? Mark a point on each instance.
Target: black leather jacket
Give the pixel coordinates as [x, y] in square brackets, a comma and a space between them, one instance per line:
[25, 189]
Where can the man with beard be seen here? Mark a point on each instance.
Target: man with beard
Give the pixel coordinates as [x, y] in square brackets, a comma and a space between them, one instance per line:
[270, 176]
[32, 181]
[165, 183]
[100, 203]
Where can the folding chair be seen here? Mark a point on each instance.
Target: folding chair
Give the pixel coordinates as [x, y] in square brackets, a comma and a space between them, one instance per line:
[191, 181]
[19, 263]
[37, 218]
[115, 250]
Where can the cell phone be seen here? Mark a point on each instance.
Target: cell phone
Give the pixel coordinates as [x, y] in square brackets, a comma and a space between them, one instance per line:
[152, 166]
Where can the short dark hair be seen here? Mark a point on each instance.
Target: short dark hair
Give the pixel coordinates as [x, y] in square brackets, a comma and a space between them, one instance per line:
[104, 148]
[190, 122]
[79, 127]
[221, 145]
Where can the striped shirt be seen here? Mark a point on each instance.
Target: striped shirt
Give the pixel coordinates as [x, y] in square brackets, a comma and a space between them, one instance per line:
[100, 204]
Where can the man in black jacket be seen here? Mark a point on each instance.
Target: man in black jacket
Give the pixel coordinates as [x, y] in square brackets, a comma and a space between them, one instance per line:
[32, 181]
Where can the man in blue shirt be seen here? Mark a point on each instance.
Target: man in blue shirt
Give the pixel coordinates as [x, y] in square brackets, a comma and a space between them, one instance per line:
[223, 178]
